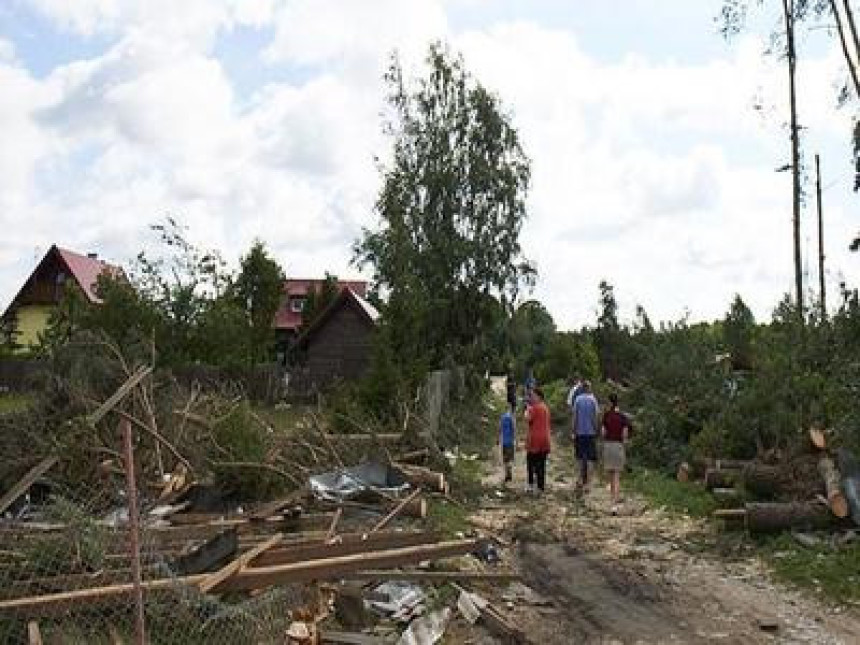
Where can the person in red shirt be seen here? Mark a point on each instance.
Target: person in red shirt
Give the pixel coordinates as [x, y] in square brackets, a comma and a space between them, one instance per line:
[615, 431]
[537, 440]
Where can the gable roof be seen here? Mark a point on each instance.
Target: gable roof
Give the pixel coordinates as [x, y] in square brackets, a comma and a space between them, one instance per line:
[346, 298]
[83, 269]
[286, 318]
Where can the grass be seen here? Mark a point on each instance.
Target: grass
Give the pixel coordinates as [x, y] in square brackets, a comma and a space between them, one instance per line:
[833, 571]
[447, 518]
[12, 402]
[679, 497]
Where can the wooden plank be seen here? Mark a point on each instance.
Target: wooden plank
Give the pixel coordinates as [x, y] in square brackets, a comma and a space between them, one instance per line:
[120, 394]
[34, 635]
[433, 576]
[238, 564]
[350, 638]
[338, 567]
[329, 536]
[25, 482]
[381, 524]
[245, 580]
[375, 542]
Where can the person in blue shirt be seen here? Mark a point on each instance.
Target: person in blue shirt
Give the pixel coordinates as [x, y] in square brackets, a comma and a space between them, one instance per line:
[507, 440]
[585, 429]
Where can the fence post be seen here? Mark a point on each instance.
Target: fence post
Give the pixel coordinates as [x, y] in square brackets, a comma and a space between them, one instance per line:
[133, 533]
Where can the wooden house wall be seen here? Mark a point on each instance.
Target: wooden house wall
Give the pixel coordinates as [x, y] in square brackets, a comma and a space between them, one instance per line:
[341, 348]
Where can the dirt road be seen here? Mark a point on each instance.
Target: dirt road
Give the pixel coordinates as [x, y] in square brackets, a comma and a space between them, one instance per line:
[644, 576]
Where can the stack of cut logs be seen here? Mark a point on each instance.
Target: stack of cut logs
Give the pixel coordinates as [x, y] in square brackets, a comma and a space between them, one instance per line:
[746, 491]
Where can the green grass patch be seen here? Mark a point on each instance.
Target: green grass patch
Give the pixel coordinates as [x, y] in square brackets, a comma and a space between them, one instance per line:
[447, 518]
[680, 497]
[831, 570]
[11, 402]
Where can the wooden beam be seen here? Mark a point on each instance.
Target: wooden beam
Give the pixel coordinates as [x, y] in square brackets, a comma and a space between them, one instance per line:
[215, 579]
[350, 638]
[25, 482]
[332, 529]
[245, 580]
[381, 524]
[34, 635]
[433, 576]
[374, 542]
[120, 394]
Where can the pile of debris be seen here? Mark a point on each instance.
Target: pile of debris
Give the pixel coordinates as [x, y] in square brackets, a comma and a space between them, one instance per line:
[816, 490]
[343, 558]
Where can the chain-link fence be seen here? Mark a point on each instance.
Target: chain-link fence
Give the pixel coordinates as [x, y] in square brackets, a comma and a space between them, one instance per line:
[79, 565]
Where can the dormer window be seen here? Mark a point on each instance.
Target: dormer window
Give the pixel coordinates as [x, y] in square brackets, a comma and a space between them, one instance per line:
[297, 304]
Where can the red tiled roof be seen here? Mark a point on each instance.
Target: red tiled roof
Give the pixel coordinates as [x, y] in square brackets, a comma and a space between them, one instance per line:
[289, 320]
[86, 271]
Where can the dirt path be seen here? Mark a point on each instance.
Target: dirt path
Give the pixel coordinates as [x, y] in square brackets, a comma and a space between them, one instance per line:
[644, 576]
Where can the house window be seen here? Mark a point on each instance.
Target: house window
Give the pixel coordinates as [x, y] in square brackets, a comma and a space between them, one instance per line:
[297, 304]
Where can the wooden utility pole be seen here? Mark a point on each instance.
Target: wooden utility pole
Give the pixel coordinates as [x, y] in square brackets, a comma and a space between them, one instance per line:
[822, 289]
[788, 12]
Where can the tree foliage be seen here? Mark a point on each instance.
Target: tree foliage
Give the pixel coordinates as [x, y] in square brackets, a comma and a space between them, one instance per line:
[451, 206]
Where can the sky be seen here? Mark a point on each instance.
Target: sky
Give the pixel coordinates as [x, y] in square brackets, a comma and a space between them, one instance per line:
[654, 141]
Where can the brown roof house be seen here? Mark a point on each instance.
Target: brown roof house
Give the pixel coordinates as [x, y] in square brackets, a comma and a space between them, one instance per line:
[28, 314]
[338, 344]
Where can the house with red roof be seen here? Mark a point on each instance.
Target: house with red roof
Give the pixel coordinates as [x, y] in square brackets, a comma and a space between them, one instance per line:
[28, 314]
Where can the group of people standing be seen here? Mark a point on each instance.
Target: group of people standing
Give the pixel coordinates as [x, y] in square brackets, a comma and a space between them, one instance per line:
[613, 427]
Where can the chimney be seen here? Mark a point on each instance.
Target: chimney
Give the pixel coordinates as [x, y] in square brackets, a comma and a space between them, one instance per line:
[93, 256]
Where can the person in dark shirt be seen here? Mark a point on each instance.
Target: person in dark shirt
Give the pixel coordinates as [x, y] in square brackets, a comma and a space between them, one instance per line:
[615, 431]
[511, 388]
[507, 441]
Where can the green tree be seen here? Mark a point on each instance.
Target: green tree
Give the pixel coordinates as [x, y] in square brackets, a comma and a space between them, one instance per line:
[738, 333]
[532, 333]
[318, 300]
[257, 291]
[451, 207]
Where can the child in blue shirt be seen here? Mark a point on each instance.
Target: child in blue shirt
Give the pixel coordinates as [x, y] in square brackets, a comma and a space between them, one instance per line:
[507, 439]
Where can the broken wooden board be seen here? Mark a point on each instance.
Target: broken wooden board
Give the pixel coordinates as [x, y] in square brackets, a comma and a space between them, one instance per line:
[434, 576]
[245, 580]
[120, 394]
[211, 583]
[23, 484]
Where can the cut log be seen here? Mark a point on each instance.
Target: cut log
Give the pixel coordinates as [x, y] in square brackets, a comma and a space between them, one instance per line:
[720, 478]
[245, 580]
[763, 481]
[774, 517]
[850, 470]
[424, 477]
[818, 438]
[25, 482]
[832, 484]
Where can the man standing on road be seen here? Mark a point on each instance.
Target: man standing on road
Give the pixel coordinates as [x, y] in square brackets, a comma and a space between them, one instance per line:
[537, 440]
[507, 442]
[575, 391]
[511, 391]
[585, 427]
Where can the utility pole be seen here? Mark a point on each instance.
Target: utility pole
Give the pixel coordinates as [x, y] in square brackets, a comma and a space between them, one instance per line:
[822, 289]
[788, 12]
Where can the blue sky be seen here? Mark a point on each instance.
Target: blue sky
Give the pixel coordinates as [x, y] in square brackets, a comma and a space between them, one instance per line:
[653, 140]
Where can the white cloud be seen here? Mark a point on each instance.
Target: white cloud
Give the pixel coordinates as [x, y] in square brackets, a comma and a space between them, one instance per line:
[656, 176]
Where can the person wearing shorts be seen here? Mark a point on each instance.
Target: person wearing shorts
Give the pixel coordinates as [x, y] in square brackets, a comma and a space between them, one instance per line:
[585, 427]
[615, 431]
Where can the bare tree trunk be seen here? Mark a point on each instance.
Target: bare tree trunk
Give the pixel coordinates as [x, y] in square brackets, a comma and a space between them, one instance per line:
[848, 59]
[788, 12]
[822, 296]
[851, 26]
